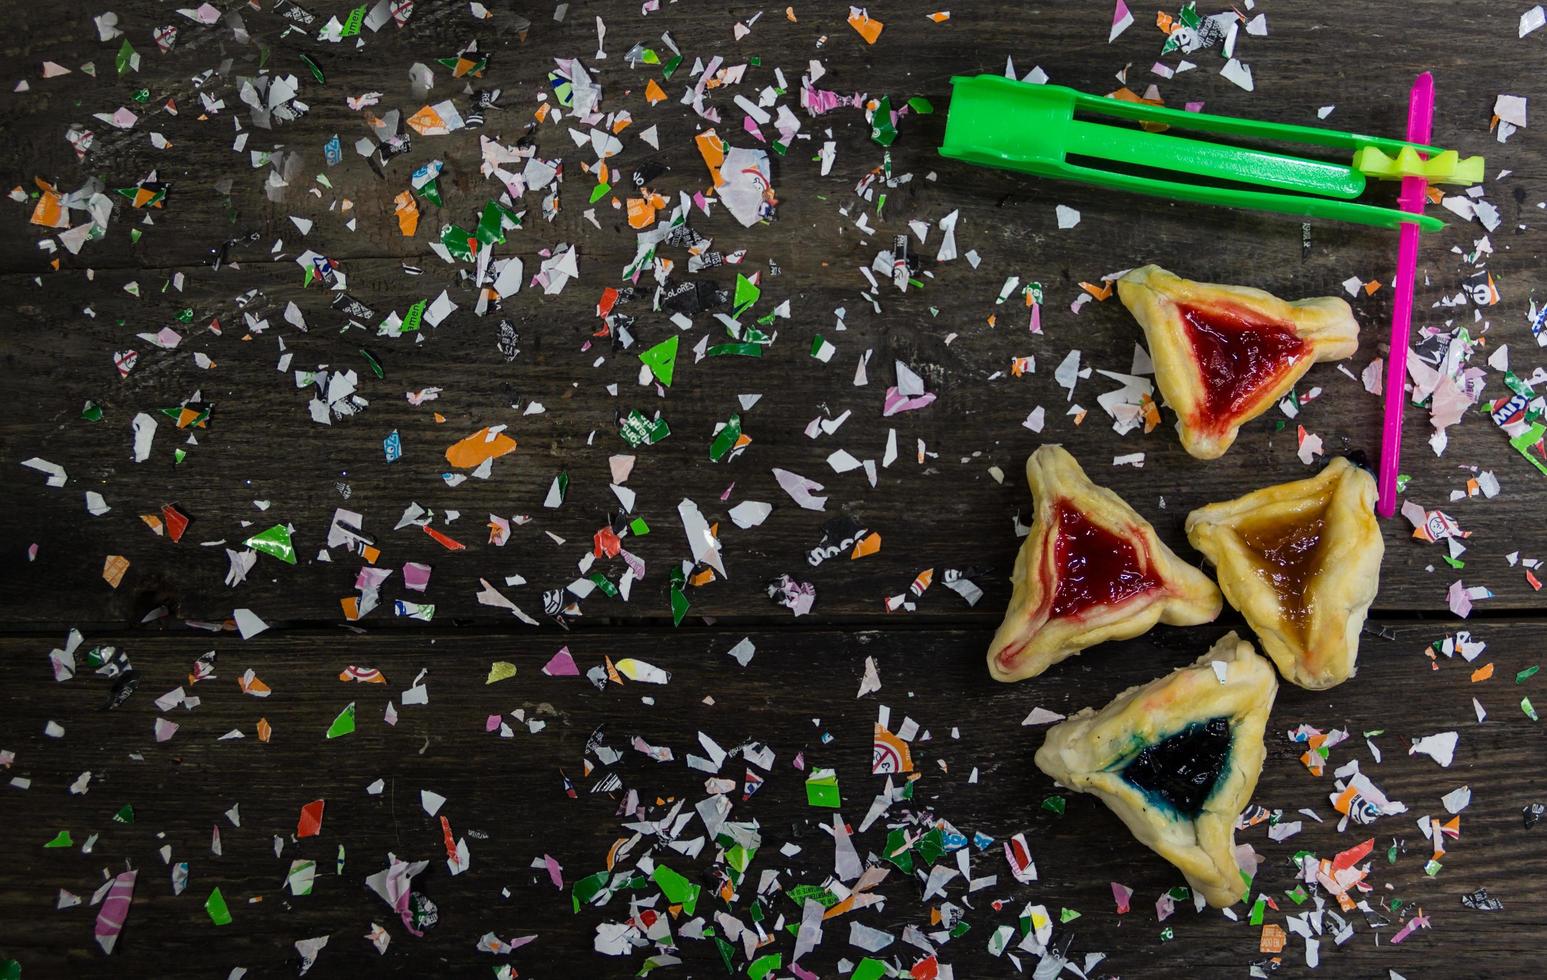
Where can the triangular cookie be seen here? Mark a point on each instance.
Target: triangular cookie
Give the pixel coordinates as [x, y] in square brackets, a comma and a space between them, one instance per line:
[1091, 570]
[1225, 354]
[1177, 760]
[1301, 561]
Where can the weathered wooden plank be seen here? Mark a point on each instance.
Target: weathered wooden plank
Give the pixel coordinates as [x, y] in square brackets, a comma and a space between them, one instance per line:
[797, 697]
[262, 445]
[58, 359]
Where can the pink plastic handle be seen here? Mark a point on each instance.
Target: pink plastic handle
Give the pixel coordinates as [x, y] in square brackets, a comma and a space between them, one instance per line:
[1420, 120]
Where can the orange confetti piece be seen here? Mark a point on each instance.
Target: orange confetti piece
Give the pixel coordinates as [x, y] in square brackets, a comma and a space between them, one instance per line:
[702, 578]
[407, 214]
[1372, 287]
[351, 606]
[113, 569]
[445, 541]
[940, 16]
[370, 553]
[713, 152]
[251, 684]
[1101, 293]
[1482, 673]
[654, 93]
[1273, 938]
[868, 27]
[265, 730]
[48, 212]
[789, 14]
[153, 522]
[612, 671]
[484, 444]
[868, 545]
[640, 213]
[428, 122]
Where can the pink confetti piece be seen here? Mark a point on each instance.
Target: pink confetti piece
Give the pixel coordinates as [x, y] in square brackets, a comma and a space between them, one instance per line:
[114, 911]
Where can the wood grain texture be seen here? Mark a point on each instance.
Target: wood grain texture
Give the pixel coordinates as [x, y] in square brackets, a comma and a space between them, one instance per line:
[799, 700]
[58, 357]
[947, 511]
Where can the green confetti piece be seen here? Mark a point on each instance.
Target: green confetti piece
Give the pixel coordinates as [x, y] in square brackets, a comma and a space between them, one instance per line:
[801, 894]
[650, 57]
[315, 69]
[764, 965]
[1055, 804]
[726, 952]
[431, 191]
[125, 57]
[679, 606]
[931, 847]
[1453, 562]
[215, 905]
[1180, 893]
[61, 839]
[881, 129]
[1432, 868]
[747, 293]
[1067, 915]
[275, 542]
[1391, 854]
[354, 22]
[600, 191]
[726, 439]
[822, 789]
[125, 814]
[739, 858]
[896, 854]
[10, 970]
[1526, 674]
[455, 240]
[670, 68]
[739, 349]
[869, 969]
[344, 723]
[179, 454]
[414, 318]
[135, 235]
[376, 367]
[638, 527]
[1402, 481]
[587, 888]
[601, 582]
[1259, 909]
[921, 105]
[1298, 895]
[639, 430]
[1525, 705]
[677, 889]
[1167, 934]
[92, 412]
[662, 360]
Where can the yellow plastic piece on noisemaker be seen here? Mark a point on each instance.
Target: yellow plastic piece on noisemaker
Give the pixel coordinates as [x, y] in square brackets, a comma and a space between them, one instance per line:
[1442, 168]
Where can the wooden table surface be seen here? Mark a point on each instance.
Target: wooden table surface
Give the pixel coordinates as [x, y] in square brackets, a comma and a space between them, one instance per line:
[598, 777]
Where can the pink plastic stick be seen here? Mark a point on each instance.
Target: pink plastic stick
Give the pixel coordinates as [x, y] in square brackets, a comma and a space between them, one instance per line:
[1420, 119]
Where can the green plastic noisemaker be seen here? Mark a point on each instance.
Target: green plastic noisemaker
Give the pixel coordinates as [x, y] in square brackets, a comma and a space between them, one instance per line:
[999, 122]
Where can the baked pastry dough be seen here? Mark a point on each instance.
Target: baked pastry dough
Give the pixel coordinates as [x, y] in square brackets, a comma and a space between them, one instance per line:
[1177, 760]
[1091, 570]
[1225, 354]
[1301, 561]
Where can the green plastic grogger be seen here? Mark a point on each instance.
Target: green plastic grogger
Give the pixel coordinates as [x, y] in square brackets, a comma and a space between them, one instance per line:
[999, 122]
